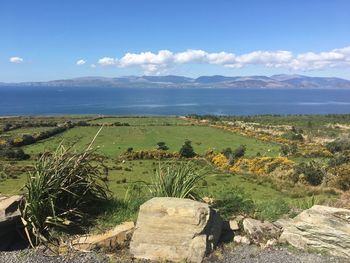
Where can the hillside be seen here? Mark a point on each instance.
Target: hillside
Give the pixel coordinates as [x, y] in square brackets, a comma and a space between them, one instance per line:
[282, 81]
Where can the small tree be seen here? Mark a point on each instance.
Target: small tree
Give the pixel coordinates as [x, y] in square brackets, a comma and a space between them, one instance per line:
[187, 150]
[162, 146]
[231, 155]
[227, 152]
[239, 152]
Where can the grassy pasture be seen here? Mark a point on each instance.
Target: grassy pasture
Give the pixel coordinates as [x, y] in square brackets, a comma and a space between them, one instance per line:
[114, 140]
[121, 176]
[142, 120]
[143, 134]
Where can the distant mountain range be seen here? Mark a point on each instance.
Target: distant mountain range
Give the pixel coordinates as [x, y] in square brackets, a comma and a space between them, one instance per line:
[171, 81]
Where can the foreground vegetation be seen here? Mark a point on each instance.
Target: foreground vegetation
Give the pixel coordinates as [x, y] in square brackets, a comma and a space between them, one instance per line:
[264, 166]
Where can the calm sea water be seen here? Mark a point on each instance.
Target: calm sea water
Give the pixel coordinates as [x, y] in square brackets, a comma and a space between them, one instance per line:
[52, 101]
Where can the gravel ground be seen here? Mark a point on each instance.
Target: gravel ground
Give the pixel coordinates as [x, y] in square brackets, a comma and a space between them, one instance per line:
[227, 254]
[253, 254]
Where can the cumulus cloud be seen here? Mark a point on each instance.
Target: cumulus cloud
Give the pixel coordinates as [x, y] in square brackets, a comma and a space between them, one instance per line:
[106, 61]
[163, 60]
[16, 60]
[80, 62]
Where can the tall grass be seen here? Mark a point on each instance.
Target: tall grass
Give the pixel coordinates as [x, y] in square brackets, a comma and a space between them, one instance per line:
[307, 202]
[176, 179]
[62, 191]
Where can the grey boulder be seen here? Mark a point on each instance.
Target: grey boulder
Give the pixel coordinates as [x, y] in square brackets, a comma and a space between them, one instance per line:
[321, 228]
[175, 229]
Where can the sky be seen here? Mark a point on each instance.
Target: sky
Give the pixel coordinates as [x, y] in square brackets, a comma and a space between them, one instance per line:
[56, 39]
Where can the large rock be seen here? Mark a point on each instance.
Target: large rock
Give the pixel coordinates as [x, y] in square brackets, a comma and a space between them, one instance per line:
[175, 229]
[260, 231]
[321, 228]
[117, 238]
[10, 222]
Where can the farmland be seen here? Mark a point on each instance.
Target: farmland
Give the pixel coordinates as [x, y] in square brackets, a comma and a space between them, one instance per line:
[262, 138]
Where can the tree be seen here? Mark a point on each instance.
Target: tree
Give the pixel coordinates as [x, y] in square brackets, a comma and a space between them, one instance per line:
[187, 150]
[239, 152]
[162, 146]
[227, 152]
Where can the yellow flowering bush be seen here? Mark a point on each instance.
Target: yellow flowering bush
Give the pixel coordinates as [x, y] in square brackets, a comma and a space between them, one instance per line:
[264, 165]
[220, 161]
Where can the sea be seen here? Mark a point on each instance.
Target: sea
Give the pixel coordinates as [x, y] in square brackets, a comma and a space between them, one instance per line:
[17, 100]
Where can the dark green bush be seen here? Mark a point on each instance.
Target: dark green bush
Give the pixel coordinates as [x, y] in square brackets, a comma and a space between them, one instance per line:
[187, 150]
[233, 155]
[162, 146]
[13, 153]
[312, 171]
[233, 201]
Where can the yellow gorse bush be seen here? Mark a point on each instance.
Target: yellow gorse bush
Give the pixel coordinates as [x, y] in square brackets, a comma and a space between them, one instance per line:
[263, 165]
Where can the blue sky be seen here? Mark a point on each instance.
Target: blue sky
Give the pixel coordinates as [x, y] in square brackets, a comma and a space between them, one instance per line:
[54, 39]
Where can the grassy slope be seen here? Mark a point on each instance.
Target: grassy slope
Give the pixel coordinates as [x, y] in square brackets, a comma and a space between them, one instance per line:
[114, 140]
[216, 181]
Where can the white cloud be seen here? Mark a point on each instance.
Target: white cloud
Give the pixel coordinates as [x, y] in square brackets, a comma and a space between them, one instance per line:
[163, 60]
[191, 56]
[80, 62]
[265, 57]
[106, 61]
[92, 66]
[163, 57]
[16, 60]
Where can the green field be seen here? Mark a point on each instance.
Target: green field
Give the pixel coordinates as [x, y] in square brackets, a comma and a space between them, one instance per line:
[142, 120]
[143, 134]
[112, 141]
[122, 175]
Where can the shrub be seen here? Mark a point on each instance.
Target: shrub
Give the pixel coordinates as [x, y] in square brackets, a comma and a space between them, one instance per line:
[312, 172]
[341, 177]
[287, 150]
[233, 155]
[339, 145]
[233, 201]
[339, 159]
[176, 179]
[63, 188]
[227, 152]
[239, 152]
[272, 210]
[162, 146]
[187, 150]
[13, 153]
